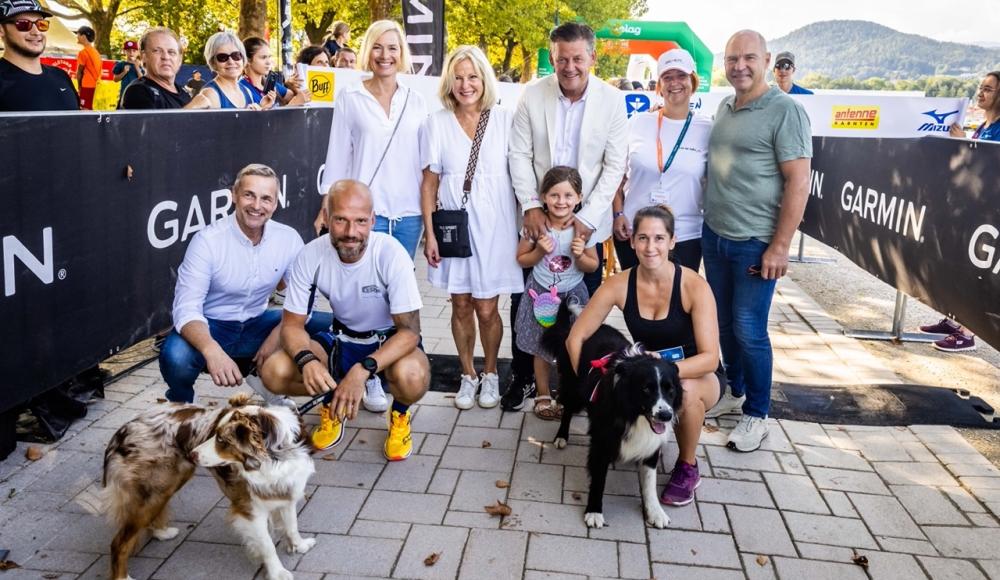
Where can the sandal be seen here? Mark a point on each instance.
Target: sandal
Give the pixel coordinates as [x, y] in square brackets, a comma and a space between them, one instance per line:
[549, 410]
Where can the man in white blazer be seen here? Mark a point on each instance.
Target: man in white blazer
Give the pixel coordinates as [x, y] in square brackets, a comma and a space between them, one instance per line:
[570, 118]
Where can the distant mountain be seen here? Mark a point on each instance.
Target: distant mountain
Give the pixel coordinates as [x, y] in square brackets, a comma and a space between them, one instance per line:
[860, 49]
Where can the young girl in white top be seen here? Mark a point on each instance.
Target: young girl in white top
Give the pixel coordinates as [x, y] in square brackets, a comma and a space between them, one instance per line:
[559, 261]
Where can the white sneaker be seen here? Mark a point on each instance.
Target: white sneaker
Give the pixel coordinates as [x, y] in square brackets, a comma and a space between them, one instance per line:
[748, 434]
[489, 395]
[375, 399]
[269, 398]
[727, 405]
[466, 397]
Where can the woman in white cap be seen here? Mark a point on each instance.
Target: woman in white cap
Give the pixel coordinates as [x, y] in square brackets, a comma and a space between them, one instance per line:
[667, 160]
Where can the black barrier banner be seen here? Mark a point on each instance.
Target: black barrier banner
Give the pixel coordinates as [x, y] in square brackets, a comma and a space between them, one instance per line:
[424, 23]
[98, 210]
[923, 215]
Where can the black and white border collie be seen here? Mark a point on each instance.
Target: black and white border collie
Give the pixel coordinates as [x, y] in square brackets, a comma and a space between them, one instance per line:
[631, 397]
[257, 455]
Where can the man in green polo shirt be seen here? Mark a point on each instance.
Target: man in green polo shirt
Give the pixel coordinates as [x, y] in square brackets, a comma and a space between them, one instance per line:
[758, 179]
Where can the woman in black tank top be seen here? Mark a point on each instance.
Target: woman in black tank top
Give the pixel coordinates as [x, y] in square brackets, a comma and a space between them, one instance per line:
[671, 310]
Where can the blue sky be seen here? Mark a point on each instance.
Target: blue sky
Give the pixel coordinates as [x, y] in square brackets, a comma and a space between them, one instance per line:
[715, 20]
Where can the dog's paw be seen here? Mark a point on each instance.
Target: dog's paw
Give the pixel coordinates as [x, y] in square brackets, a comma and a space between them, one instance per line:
[657, 518]
[560, 443]
[164, 534]
[280, 574]
[301, 546]
[594, 520]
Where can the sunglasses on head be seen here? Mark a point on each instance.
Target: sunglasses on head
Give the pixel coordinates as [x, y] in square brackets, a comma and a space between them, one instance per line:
[223, 57]
[784, 66]
[24, 25]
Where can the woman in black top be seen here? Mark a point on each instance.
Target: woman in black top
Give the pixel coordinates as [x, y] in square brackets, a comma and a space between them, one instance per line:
[666, 306]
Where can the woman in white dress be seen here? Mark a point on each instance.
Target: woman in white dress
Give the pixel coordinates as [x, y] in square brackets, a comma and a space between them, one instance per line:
[468, 91]
[376, 135]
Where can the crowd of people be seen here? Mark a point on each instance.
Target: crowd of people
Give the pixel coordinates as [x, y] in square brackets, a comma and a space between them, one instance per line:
[541, 186]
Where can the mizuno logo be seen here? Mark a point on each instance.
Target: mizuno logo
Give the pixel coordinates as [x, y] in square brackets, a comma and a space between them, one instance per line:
[939, 117]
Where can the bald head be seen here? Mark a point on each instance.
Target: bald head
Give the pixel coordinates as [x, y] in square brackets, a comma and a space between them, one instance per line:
[747, 62]
[349, 193]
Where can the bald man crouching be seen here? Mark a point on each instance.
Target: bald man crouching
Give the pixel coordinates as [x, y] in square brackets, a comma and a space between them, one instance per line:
[369, 280]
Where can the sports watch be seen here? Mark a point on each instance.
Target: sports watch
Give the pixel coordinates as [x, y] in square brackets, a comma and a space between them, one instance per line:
[370, 365]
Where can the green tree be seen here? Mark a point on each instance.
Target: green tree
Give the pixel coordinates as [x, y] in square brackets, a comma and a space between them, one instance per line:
[101, 14]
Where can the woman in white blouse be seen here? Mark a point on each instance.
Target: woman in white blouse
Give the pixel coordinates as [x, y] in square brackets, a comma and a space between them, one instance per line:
[469, 93]
[376, 135]
[667, 162]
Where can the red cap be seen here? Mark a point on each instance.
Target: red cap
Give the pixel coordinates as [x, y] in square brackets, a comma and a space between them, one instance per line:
[131, 44]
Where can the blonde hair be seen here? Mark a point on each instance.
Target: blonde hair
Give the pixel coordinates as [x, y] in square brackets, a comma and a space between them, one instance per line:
[482, 65]
[374, 32]
[257, 170]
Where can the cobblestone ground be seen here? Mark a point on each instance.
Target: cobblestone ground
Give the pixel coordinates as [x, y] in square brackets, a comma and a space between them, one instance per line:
[916, 502]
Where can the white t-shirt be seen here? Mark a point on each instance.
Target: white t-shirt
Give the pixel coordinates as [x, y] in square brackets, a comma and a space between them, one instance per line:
[682, 184]
[358, 138]
[363, 295]
[559, 267]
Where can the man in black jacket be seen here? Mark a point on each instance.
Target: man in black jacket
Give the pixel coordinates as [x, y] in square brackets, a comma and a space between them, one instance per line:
[25, 83]
[158, 89]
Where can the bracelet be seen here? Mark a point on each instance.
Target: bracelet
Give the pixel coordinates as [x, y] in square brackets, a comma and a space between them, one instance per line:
[304, 357]
[617, 214]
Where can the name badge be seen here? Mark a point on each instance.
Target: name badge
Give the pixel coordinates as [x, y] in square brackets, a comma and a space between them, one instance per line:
[672, 354]
[659, 195]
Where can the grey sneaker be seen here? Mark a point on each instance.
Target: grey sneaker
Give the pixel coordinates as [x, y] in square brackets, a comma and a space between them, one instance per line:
[727, 405]
[269, 398]
[748, 434]
[489, 394]
[466, 397]
[375, 399]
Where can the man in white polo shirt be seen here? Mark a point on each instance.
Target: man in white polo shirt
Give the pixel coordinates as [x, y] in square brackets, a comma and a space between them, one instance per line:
[368, 278]
[220, 304]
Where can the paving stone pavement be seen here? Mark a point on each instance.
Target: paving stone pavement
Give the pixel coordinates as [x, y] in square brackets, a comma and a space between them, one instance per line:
[918, 502]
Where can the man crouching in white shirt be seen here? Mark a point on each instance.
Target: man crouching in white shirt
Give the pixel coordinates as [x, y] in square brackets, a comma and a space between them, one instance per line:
[369, 280]
[220, 304]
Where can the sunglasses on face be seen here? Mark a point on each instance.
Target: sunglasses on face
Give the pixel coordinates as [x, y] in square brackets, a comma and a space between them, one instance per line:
[784, 66]
[223, 57]
[24, 25]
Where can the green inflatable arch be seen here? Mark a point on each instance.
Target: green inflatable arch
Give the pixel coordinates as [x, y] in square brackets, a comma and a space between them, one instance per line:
[646, 38]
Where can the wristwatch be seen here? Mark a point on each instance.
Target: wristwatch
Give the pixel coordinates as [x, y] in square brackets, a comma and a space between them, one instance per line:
[618, 214]
[370, 365]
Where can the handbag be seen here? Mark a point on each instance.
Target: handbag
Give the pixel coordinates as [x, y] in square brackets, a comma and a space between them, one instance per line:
[451, 226]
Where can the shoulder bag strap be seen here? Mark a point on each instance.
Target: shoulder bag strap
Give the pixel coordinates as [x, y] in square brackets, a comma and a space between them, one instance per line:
[470, 170]
[389, 144]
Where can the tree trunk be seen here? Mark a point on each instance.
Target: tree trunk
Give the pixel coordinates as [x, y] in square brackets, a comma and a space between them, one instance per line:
[253, 18]
[528, 58]
[103, 21]
[379, 9]
[508, 53]
[317, 30]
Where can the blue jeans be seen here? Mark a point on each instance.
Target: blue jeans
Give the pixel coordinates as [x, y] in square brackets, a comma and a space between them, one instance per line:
[743, 302]
[181, 363]
[407, 230]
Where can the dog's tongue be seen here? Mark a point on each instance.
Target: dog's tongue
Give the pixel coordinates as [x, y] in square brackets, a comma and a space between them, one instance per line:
[658, 427]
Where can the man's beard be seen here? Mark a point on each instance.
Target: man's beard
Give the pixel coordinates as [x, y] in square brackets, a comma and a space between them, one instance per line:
[349, 254]
[23, 50]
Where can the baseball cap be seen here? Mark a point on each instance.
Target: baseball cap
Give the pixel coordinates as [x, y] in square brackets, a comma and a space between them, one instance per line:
[131, 45]
[675, 59]
[10, 8]
[784, 56]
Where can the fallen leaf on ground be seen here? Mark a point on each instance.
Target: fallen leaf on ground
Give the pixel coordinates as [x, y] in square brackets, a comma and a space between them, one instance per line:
[694, 552]
[12, 492]
[51, 576]
[499, 509]
[161, 400]
[34, 453]
[710, 428]
[577, 496]
[487, 444]
[211, 404]
[330, 457]
[449, 396]
[860, 560]
[501, 484]
[8, 565]
[762, 560]
[432, 559]
[362, 441]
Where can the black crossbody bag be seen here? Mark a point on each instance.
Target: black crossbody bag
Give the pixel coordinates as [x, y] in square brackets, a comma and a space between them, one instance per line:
[451, 226]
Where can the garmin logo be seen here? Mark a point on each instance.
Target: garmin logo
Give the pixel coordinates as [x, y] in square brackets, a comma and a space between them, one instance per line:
[164, 227]
[893, 213]
[983, 248]
[14, 252]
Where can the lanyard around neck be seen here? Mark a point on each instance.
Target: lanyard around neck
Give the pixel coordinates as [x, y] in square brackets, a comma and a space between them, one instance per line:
[659, 145]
